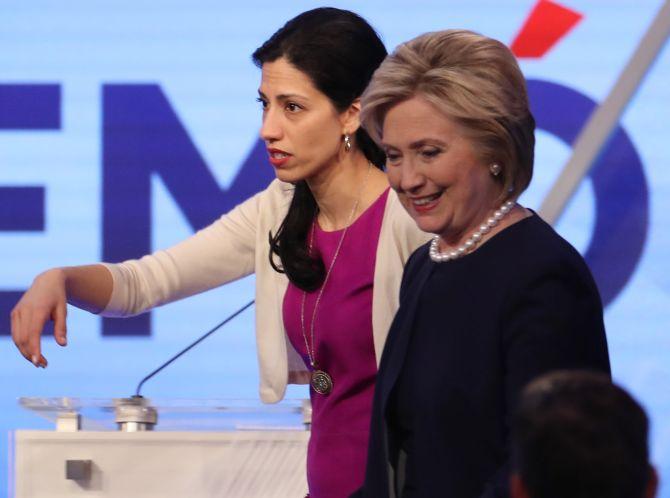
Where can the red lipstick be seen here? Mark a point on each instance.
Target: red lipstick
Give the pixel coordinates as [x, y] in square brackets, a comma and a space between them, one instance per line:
[278, 157]
[424, 204]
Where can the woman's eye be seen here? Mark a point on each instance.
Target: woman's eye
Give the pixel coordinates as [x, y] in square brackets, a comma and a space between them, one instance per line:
[430, 153]
[293, 107]
[263, 102]
[392, 157]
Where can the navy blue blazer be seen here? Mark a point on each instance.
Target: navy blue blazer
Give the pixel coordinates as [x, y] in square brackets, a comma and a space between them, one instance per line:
[468, 335]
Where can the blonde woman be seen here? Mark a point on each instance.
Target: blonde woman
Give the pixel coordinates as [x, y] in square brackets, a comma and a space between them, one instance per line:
[496, 298]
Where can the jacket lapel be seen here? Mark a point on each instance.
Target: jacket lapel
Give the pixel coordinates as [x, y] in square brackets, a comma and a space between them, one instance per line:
[402, 326]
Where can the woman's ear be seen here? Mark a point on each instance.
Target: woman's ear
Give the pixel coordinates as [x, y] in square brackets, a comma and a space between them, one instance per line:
[351, 118]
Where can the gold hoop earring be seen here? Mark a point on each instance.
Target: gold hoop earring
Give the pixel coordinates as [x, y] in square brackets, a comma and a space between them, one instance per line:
[347, 143]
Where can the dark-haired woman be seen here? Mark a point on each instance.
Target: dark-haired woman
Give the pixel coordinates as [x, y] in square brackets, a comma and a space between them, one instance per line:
[326, 283]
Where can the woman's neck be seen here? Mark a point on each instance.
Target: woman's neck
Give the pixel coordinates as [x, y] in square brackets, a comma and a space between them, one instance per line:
[350, 182]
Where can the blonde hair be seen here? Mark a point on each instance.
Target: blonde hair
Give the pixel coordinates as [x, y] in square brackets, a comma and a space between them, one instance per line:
[471, 79]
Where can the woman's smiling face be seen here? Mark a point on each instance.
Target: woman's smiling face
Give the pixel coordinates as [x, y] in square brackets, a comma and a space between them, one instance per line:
[434, 167]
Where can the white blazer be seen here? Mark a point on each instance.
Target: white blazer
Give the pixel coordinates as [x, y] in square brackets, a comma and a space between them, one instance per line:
[235, 246]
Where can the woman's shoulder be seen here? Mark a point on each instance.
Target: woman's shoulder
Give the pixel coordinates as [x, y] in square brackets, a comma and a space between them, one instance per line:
[532, 247]
[539, 242]
[270, 202]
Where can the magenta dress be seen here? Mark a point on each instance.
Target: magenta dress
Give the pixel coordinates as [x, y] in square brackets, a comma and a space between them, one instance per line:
[337, 449]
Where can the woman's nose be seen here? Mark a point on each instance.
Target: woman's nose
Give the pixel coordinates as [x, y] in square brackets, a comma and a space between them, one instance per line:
[271, 130]
[411, 178]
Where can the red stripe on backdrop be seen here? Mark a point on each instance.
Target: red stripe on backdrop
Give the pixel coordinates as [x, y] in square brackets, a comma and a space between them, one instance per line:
[546, 24]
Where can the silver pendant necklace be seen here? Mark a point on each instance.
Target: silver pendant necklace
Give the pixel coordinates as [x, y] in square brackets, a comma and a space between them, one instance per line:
[320, 380]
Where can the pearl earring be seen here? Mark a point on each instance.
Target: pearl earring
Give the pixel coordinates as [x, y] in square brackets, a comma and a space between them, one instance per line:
[347, 143]
[495, 169]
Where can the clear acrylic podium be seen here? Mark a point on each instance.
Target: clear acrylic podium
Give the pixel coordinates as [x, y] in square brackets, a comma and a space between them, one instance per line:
[134, 448]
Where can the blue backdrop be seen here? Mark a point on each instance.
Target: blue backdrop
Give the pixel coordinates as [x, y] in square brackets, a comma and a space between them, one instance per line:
[126, 125]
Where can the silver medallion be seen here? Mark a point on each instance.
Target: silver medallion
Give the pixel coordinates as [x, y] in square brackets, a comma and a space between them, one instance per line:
[321, 382]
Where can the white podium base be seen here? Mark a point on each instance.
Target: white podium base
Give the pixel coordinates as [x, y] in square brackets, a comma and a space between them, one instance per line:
[242, 464]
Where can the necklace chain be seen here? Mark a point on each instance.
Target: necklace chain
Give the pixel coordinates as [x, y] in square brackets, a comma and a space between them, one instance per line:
[311, 351]
[473, 241]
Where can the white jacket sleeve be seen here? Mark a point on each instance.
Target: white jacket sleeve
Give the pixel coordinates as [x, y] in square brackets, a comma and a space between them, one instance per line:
[220, 253]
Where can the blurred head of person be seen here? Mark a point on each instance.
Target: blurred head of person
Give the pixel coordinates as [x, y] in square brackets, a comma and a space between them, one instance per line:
[577, 435]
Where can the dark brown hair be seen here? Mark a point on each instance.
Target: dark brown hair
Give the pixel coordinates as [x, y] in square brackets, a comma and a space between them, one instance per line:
[339, 51]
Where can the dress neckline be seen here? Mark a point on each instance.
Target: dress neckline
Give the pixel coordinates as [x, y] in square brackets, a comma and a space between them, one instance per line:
[493, 241]
[369, 209]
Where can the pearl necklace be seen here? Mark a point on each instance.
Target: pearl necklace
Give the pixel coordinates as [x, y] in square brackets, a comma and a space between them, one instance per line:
[475, 238]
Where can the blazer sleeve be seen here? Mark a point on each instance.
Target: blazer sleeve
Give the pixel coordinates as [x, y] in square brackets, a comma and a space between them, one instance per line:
[553, 321]
[220, 253]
